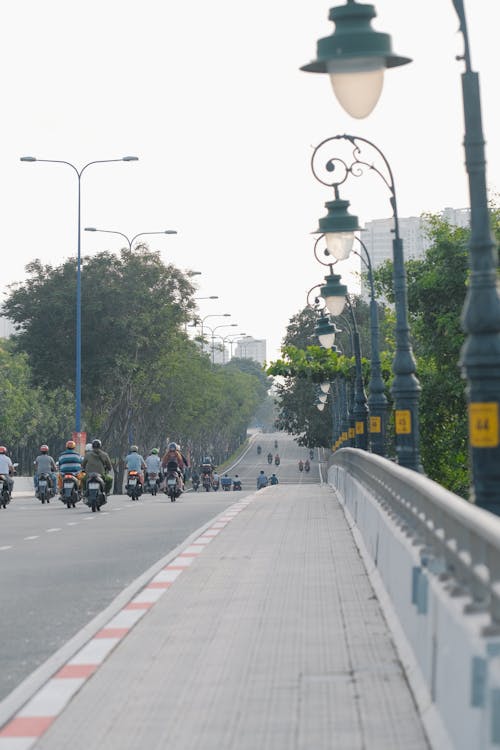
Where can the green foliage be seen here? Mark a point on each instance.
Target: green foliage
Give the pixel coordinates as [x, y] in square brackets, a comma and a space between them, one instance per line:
[143, 380]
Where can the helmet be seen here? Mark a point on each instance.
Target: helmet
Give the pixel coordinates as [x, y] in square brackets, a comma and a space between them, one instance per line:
[96, 443]
[71, 444]
[154, 451]
[172, 446]
[44, 449]
[3, 449]
[133, 449]
[88, 447]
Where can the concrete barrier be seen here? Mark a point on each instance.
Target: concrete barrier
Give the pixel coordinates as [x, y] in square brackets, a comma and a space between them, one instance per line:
[454, 669]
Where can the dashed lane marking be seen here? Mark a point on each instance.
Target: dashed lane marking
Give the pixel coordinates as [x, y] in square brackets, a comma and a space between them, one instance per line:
[29, 538]
[6, 546]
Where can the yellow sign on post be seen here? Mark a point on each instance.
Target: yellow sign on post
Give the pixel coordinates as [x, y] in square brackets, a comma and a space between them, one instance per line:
[483, 425]
[360, 428]
[402, 422]
[375, 424]
[352, 432]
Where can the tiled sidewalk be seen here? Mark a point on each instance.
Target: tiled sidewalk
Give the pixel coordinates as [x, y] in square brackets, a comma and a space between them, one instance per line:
[271, 639]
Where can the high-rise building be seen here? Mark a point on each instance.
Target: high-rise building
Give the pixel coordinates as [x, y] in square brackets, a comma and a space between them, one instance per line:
[250, 348]
[378, 235]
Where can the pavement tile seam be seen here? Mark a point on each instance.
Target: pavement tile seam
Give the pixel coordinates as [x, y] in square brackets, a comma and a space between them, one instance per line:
[28, 725]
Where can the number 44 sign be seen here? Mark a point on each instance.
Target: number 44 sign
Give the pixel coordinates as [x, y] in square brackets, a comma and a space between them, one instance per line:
[483, 425]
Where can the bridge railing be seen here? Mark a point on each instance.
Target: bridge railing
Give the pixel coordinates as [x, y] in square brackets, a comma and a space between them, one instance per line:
[461, 540]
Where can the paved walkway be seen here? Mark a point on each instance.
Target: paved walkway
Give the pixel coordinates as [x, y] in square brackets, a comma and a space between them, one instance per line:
[271, 639]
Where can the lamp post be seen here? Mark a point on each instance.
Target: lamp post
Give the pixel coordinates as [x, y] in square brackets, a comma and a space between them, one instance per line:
[130, 240]
[480, 356]
[231, 337]
[405, 386]
[212, 315]
[78, 365]
[212, 331]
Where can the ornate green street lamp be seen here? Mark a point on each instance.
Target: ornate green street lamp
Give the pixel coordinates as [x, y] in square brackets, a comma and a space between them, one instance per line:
[355, 57]
[405, 386]
[480, 356]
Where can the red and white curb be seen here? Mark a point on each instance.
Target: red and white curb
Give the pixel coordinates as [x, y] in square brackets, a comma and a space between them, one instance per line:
[22, 731]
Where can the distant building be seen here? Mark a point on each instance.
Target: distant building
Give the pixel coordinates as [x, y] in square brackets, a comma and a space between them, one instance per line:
[378, 236]
[250, 348]
[6, 328]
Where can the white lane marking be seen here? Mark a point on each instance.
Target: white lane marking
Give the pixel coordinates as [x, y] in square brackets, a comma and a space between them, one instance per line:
[95, 651]
[49, 531]
[53, 697]
[28, 538]
[88, 518]
[6, 546]
[72, 523]
[116, 508]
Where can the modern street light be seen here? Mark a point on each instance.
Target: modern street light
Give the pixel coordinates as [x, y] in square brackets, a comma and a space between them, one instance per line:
[78, 366]
[212, 315]
[405, 386]
[480, 356]
[130, 240]
[230, 338]
[212, 331]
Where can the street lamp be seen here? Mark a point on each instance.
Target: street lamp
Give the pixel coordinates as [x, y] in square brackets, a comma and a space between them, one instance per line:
[355, 57]
[212, 331]
[130, 240]
[480, 356]
[405, 386]
[231, 337]
[78, 366]
[212, 315]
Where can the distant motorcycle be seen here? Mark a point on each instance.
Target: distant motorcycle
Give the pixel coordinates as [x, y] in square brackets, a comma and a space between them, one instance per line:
[236, 485]
[152, 482]
[307, 466]
[226, 483]
[44, 489]
[215, 484]
[311, 454]
[259, 450]
[269, 458]
[70, 492]
[5, 495]
[195, 483]
[134, 485]
[95, 492]
[277, 460]
[173, 483]
[207, 482]
[301, 465]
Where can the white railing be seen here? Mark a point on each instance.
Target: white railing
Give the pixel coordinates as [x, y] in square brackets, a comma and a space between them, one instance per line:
[461, 540]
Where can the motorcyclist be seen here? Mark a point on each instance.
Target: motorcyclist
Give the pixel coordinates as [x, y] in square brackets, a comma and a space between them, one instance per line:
[45, 464]
[301, 465]
[70, 462]
[195, 479]
[226, 481]
[97, 461]
[277, 459]
[7, 467]
[135, 462]
[153, 464]
[259, 449]
[262, 480]
[236, 482]
[173, 455]
[273, 479]
[269, 458]
[307, 465]
[215, 480]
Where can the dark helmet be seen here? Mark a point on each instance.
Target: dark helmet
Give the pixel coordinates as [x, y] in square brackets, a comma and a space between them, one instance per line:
[96, 444]
[172, 446]
[44, 448]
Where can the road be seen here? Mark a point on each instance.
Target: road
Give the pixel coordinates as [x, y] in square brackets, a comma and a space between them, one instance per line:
[60, 567]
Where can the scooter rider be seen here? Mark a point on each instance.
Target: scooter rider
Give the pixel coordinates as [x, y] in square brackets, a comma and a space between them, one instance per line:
[135, 462]
[273, 479]
[97, 461]
[262, 480]
[7, 467]
[45, 464]
[153, 464]
[70, 462]
[173, 454]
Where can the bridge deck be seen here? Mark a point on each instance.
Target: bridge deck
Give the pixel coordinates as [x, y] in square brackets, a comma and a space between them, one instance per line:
[271, 638]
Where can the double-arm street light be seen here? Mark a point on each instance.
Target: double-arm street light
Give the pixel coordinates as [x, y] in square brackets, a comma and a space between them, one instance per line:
[357, 55]
[212, 332]
[78, 367]
[202, 324]
[230, 338]
[130, 240]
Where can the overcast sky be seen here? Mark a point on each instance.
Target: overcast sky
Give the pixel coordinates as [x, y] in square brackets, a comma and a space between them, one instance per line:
[209, 96]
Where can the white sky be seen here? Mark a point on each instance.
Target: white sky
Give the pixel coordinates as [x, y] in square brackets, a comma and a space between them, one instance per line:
[210, 97]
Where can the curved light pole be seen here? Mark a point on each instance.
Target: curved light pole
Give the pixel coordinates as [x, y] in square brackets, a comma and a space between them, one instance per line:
[212, 332]
[231, 337]
[130, 240]
[405, 386]
[78, 367]
[212, 315]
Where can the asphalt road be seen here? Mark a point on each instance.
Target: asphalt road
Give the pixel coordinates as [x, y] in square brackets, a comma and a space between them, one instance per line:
[59, 568]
